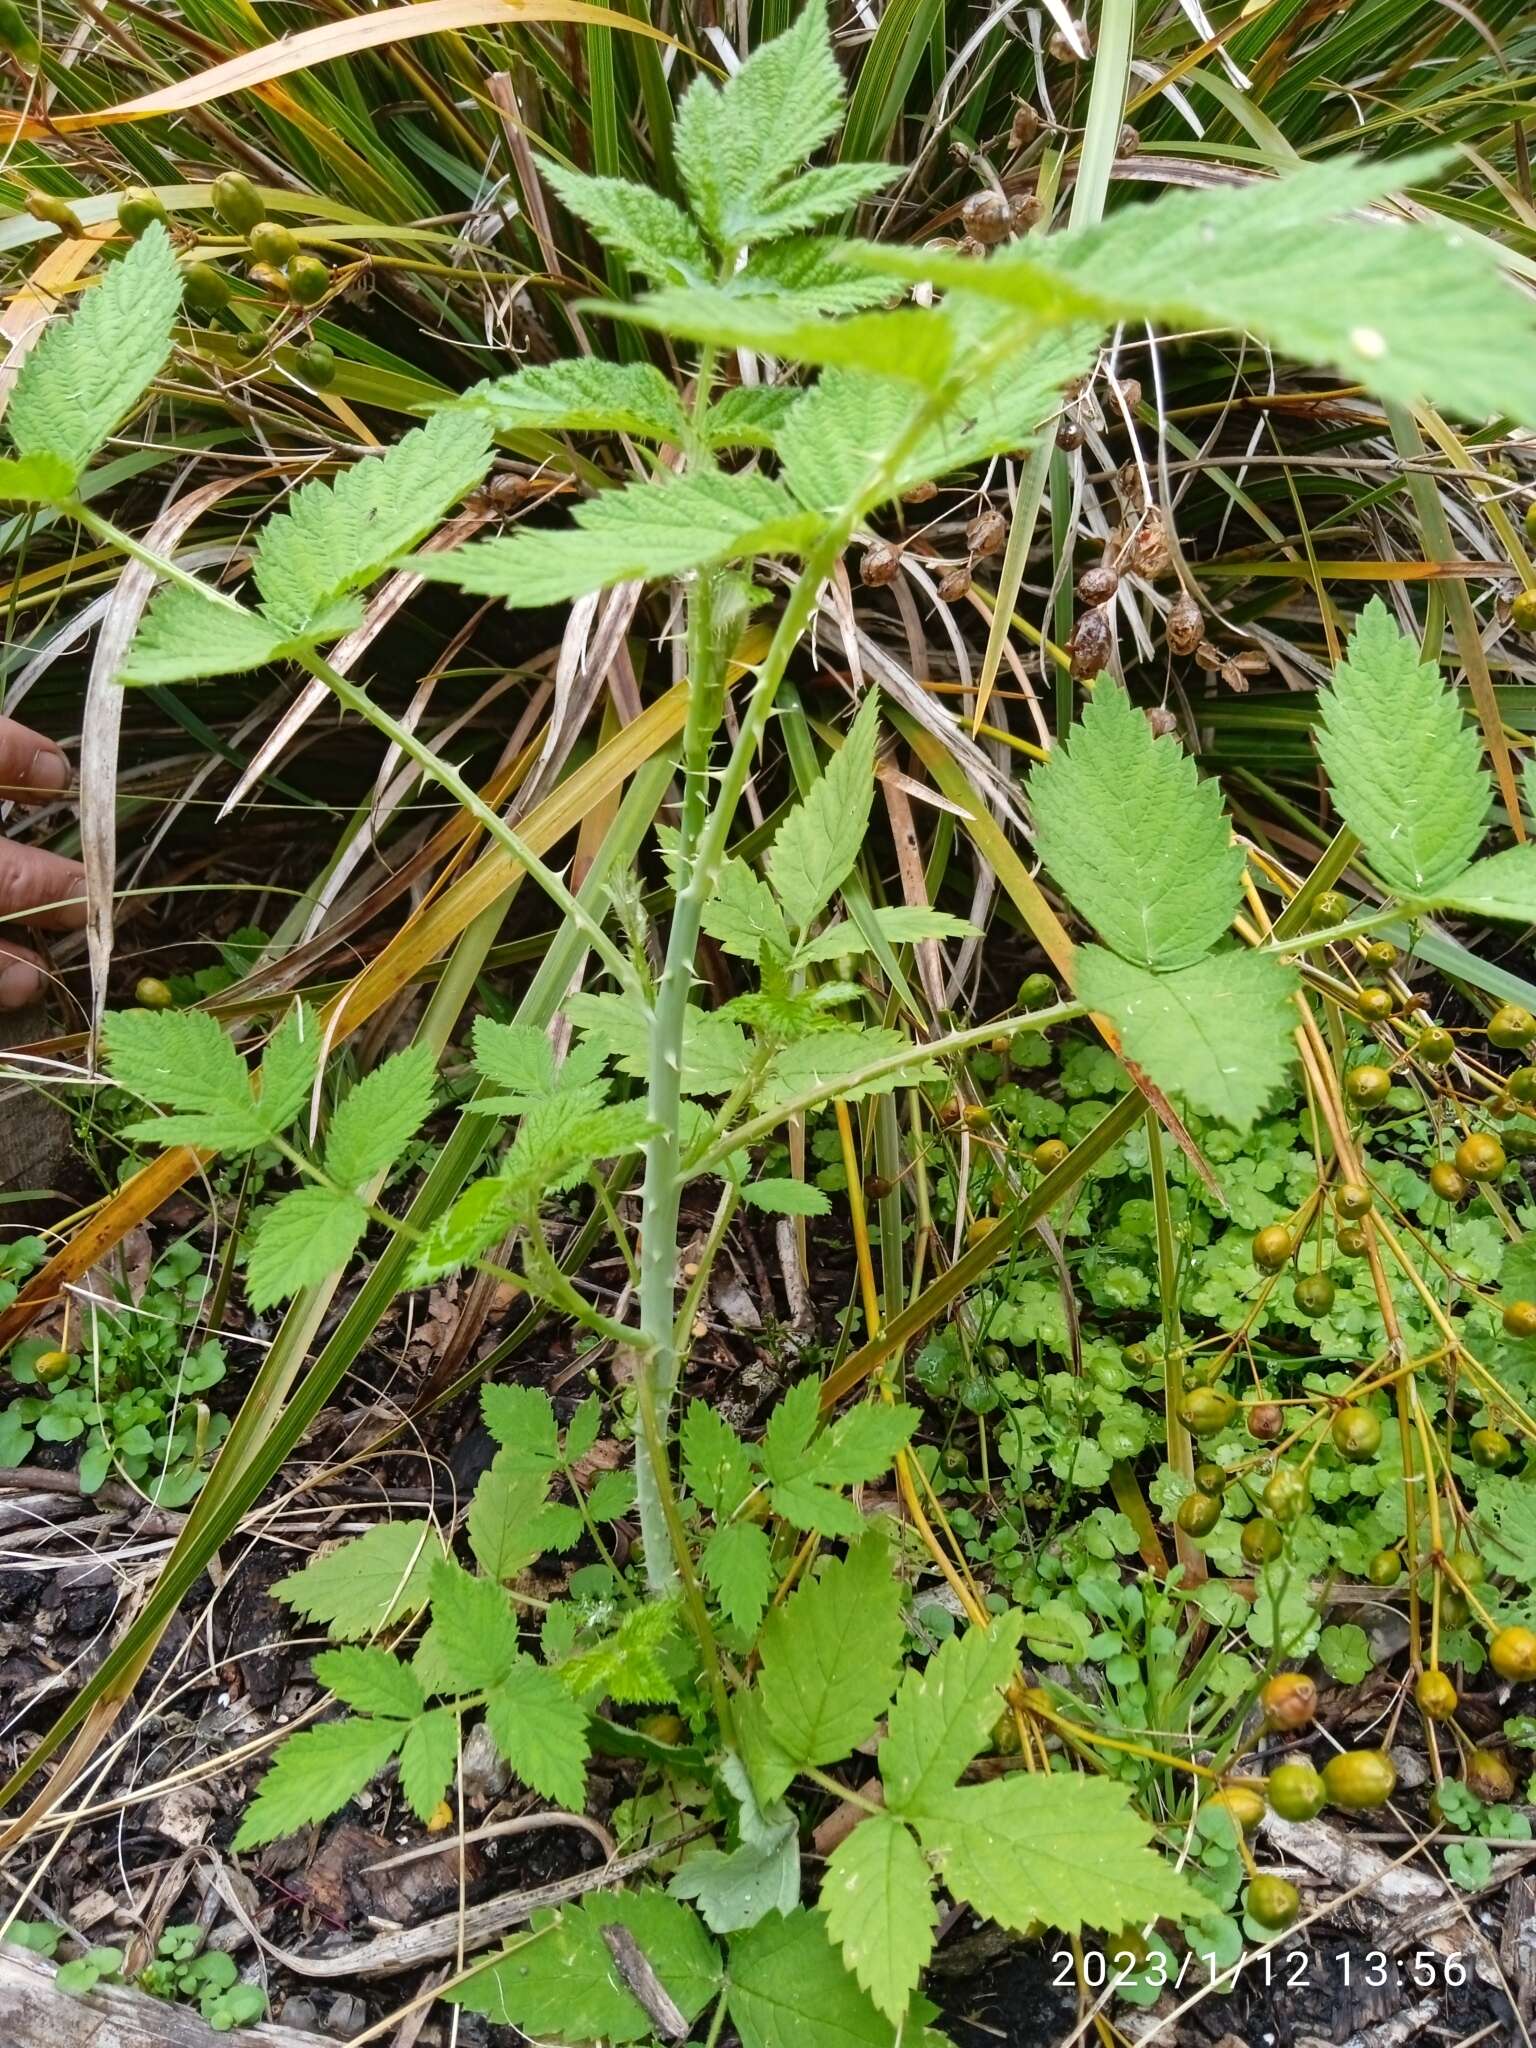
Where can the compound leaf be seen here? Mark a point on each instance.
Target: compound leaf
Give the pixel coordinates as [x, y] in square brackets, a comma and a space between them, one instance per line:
[789, 1989]
[185, 1059]
[1503, 885]
[642, 226]
[475, 1635]
[738, 1563]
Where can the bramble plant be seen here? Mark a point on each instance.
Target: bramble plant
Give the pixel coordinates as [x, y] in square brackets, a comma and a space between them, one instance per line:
[1338, 1351]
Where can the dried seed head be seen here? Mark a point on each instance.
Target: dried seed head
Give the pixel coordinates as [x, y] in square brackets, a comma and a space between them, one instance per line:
[879, 563]
[1234, 678]
[1026, 126]
[969, 246]
[987, 216]
[1097, 585]
[987, 533]
[1129, 142]
[1024, 210]
[1209, 657]
[1186, 624]
[954, 584]
[1253, 661]
[1130, 392]
[920, 494]
[1128, 484]
[1161, 720]
[1091, 644]
[1149, 549]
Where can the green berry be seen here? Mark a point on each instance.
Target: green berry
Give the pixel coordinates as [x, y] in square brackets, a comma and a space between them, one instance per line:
[237, 202]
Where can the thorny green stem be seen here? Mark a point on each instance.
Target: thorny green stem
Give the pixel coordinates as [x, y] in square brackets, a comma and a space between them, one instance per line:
[115, 537]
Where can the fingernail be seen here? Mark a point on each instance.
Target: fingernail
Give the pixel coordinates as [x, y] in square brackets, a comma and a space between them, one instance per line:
[49, 770]
[19, 985]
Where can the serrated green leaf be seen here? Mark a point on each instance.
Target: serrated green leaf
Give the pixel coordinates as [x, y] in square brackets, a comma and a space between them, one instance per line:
[804, 1473]
[429, 1759]
[370, 1682]
[522, 1420]
[379, 1116]
[715, 1050]
[817, 195]
[945, 1713]
[183, 638]
[289, 1066]
[1139, 843]
[737, 143]
[368, 1584]
[627, 1665]
[837, 1063]
[315, 1773]
[299, 1241]
[510, 1521]
[646, 531]
[1405, 766]
[584, 395]
[742, 913]
[912, 344]
[839, 435]
[878, 1898]
[789, 1990]
[716, 1463]
[816, 846]
[89, 371]
[476, 1635]
[738, 1563]
[541, 1731]
[36, 480]
[519, 1059]
[1218, 1034]
[1503, 886]
[829, 1657]
[478, 1218]
[1410, 312]
[559, 1141]
[184, 1058]
[1059, 1847]
[335, 537]
[751, 416]
[642, 226]
[900, 924]
[786, 1197]
[561, 1985]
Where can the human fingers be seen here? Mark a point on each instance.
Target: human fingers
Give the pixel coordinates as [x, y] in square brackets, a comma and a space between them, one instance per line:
[31, 767]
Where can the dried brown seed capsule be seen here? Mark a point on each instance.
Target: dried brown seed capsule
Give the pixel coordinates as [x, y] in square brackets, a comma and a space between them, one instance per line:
[1071, 49]
[988, 217]
[1024, 209]
[1487, 1774]
[1185, 624]
[1209, 656]
[1266, 1420]
[1162, 721]
[1097, 585]
[1026, 126]
[1129, 140]
[879, 563]
[1149, 550]
[987, 533]
[920, 494]
[1129, 389]
[954, 583]
[1091, 644]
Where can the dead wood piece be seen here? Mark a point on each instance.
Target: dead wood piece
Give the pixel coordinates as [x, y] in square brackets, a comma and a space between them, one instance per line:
[34, 2013]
